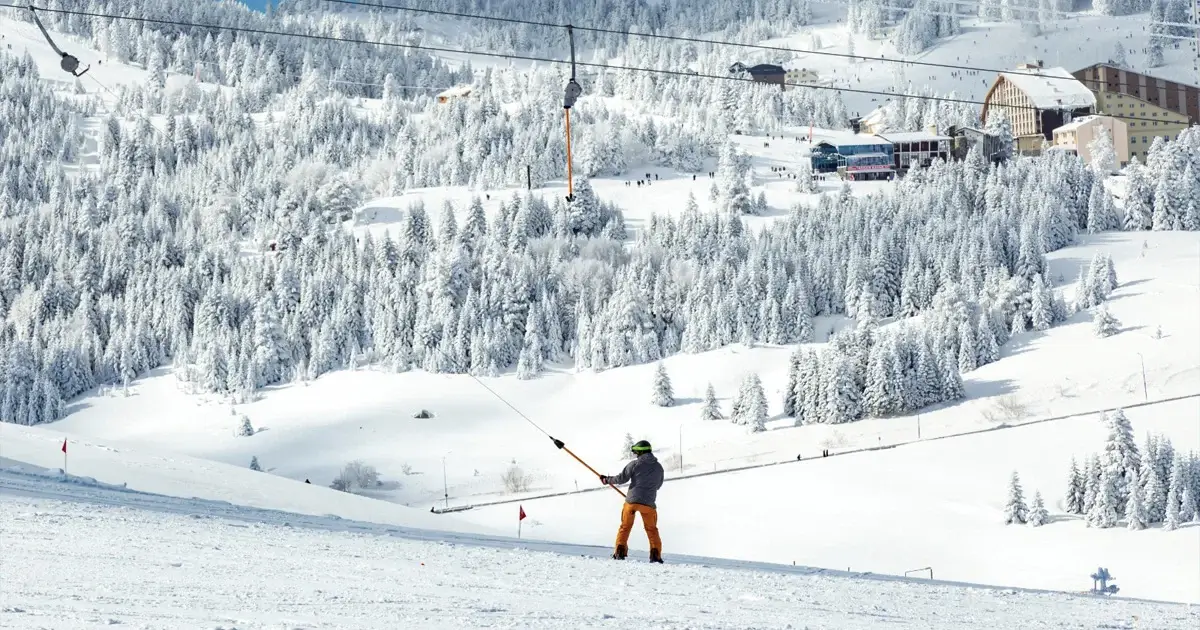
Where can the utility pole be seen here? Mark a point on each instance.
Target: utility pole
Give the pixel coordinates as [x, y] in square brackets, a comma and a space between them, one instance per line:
[445, 482]
[1145, 390]
[918, 426]
[529, 177]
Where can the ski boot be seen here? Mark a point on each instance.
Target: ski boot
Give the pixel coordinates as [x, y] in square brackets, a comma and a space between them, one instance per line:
[620, 552]
[656, 556]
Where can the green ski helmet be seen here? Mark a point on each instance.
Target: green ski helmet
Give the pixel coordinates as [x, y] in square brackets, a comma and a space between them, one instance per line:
[641, 447]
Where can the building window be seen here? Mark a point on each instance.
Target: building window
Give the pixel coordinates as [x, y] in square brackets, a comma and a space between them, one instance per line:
[1132, 139]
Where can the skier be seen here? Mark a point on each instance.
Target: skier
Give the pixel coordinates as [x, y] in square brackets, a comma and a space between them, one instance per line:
[645, 476]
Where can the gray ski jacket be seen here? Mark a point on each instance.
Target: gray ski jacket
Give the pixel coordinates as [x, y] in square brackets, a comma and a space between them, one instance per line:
[644, 476]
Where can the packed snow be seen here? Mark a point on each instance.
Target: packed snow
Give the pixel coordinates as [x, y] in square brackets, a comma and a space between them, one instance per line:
[151, 561]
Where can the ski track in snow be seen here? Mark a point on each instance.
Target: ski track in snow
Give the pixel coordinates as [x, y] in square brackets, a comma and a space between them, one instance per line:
[93, 554]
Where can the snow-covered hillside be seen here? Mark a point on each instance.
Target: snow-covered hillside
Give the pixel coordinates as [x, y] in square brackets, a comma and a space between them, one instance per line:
[311, 430]
[224, 249]
[956, 484]
[126, 558]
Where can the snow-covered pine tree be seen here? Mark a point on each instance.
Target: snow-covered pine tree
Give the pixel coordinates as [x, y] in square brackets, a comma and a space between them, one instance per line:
[1171, 517]
[1041, 311]
[1075, 489]
[1154, 494]
[1015, 512]
[663, 395]
[985, 338]
[711, 409]
[789, 392]
[1038, 515]
[1107, 508]
[1121, 452]
[1135, 513]
[1104, 323]
[254, 463]
[737, 409]
[968, 352]
[627, 447]
[1091, 483]
[755, 404]
[1176, 489]
[1104, 156]
[245, 429]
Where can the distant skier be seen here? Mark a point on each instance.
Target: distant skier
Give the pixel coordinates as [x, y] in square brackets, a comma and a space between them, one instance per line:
[645, 476]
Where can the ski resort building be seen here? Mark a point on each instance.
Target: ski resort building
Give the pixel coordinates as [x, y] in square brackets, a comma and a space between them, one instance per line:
[1077, 136]
[1037, 101]
[859, 157]
[762, 73]
[801, 76]
[1163, 108]
[917, 149]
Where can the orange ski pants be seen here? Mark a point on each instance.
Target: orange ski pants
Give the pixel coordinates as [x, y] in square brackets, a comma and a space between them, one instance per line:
[649, 521]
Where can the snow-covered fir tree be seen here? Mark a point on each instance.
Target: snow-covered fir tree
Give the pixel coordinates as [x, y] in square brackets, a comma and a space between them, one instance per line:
[662, 395]
[254, 463]
[245, 429]
[1107, 507]
[1075, 490]
[1015, 511]
[1135, 514]
[627, 447]
[751, 409]
[1104, 323]
[1038, 515]
[711, 409]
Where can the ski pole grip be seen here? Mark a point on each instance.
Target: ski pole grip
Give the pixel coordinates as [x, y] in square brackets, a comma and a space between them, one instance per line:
[558, 443]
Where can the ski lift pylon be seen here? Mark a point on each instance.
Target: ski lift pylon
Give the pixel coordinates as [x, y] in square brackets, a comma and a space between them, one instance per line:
[570, 95]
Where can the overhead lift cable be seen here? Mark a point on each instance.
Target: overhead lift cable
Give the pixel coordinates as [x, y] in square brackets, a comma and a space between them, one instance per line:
[692, 40]
[497, 55]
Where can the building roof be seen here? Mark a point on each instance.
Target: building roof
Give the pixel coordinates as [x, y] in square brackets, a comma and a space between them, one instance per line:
[862, 139]
[875, 116]
[461, 90]
[1063, 92]
[1077, 123]
[912, 136]
[766, 68]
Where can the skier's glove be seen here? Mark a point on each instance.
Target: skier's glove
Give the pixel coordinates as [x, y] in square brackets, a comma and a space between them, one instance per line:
[604, 480]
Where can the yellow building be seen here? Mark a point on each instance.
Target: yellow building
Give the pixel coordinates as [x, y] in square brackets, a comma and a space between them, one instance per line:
[1077, 136]
[1037, 101]
[1152, 107]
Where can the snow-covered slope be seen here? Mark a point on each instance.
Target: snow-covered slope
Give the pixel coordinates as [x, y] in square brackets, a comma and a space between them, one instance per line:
[312, 430]
[89, 556]
[887, 511]
[38, 451]
[936, 504]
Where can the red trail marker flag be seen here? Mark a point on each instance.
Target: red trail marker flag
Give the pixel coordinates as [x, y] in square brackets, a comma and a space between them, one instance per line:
[520, 517]
[64, 448]
[64, 451]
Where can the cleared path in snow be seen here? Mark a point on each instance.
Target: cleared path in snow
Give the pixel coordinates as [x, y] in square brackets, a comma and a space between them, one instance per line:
[891, 445]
